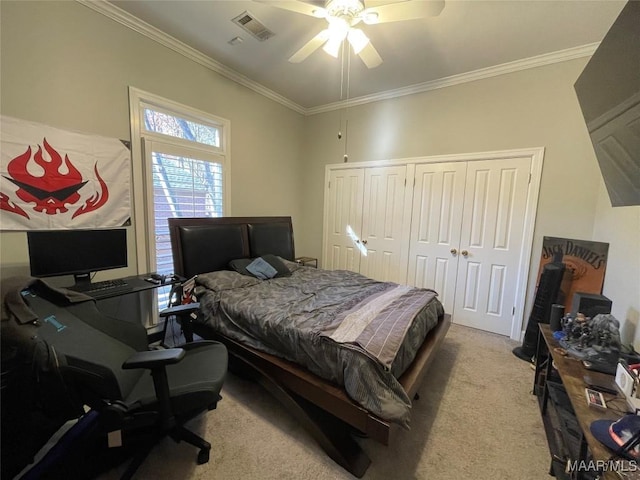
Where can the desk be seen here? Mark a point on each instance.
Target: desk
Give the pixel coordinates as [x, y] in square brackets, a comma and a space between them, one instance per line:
[554, 371]
[131, 305]
[137, 284]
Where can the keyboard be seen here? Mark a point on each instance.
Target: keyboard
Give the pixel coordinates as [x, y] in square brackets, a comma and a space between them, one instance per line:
[104, 288]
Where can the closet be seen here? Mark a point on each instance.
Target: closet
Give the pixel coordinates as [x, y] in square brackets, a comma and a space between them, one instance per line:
[368, 221]
[456, 226]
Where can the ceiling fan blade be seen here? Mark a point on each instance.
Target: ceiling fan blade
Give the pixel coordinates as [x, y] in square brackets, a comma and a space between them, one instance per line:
[370, 56]
[310, 47]
[298, 7]
[396, 12]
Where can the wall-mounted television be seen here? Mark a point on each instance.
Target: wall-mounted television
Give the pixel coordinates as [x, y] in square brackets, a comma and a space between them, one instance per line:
[608, 91]
[76, 252]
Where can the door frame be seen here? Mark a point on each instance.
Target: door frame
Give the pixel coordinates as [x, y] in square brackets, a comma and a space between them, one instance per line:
[535, 154]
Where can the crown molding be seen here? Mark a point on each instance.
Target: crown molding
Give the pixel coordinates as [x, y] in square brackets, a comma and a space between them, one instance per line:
[494, 71]
[134, 23]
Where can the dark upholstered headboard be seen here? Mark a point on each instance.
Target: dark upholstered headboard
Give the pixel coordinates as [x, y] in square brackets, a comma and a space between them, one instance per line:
[202, 245]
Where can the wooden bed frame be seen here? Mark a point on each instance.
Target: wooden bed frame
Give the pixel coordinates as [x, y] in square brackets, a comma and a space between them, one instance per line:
[203, 245]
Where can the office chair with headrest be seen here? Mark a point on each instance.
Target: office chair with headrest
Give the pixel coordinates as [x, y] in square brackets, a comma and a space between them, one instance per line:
[140, 395]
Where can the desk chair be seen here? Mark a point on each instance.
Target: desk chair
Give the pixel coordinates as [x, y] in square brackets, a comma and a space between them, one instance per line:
[183, 315]
[140, 395]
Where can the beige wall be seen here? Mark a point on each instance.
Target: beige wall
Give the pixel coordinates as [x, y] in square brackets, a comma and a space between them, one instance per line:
[620, 227]
[532, 108]
[70, 67]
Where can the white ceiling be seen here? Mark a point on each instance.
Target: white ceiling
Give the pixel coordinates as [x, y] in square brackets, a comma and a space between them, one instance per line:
[468, 36]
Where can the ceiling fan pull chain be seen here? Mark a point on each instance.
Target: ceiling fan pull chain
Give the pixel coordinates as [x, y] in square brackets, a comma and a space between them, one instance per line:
[346, 140]
[341, 115]
[346, 123]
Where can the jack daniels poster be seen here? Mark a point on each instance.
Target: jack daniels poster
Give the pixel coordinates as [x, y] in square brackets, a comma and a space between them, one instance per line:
[585, 260]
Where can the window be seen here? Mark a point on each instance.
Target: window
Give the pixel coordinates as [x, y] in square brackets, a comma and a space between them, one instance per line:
[182, 187]
[184, 173]
[157, 120]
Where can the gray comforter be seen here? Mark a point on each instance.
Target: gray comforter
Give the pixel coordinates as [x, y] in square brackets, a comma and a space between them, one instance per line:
[342, 326]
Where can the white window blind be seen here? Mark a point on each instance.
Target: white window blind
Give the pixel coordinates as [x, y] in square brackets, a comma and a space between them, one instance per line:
[182, 187]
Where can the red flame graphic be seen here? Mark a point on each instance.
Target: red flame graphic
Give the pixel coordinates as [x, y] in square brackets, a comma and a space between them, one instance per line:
[41, 189]
[95, 201]
[51, 179]
[9, 206]
[53, 190]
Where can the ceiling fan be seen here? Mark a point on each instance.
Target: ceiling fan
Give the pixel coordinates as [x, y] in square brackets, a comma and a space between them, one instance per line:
[342, 17]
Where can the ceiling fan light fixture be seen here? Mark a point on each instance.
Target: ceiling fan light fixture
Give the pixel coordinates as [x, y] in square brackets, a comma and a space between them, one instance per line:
[358, 39]
[338, 30]
[332, 47]
[370, 18]
[344, 7]
[338, 27]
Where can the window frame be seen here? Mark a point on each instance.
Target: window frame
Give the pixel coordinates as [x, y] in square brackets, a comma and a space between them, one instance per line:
[141, 171]
[186, 116]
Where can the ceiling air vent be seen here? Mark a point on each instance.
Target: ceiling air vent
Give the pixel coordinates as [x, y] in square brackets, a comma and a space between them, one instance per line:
[249, 23]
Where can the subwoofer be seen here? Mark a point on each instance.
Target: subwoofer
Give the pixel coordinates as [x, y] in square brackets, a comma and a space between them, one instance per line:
[590, 304]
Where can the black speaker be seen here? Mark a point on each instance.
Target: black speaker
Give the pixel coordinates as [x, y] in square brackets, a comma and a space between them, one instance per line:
[547, 293]
[555, 321]
[590, 304]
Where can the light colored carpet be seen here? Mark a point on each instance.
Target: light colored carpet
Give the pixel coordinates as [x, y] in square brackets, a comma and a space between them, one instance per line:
[476, 419]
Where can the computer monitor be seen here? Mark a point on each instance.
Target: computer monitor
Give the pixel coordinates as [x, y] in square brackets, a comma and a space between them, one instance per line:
[76, 252]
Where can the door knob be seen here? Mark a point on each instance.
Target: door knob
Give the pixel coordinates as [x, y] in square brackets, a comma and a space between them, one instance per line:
[464, 253]
[364, 242]
[453, 251]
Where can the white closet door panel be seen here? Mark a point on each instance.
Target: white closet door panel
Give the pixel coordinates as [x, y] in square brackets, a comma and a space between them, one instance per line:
[345, 192]
[382, 223]
[434, 274]
[490, 243]
[435, 228]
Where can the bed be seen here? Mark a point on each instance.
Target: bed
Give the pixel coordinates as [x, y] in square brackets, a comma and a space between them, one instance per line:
[327, 369]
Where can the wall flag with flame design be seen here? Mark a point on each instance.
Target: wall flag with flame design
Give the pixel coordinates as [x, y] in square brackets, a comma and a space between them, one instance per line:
[54, 179]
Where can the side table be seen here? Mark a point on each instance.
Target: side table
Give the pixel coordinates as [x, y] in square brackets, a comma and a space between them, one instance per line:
[307, 261]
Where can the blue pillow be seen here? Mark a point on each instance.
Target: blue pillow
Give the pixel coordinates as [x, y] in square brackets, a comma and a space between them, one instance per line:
[261, 269]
